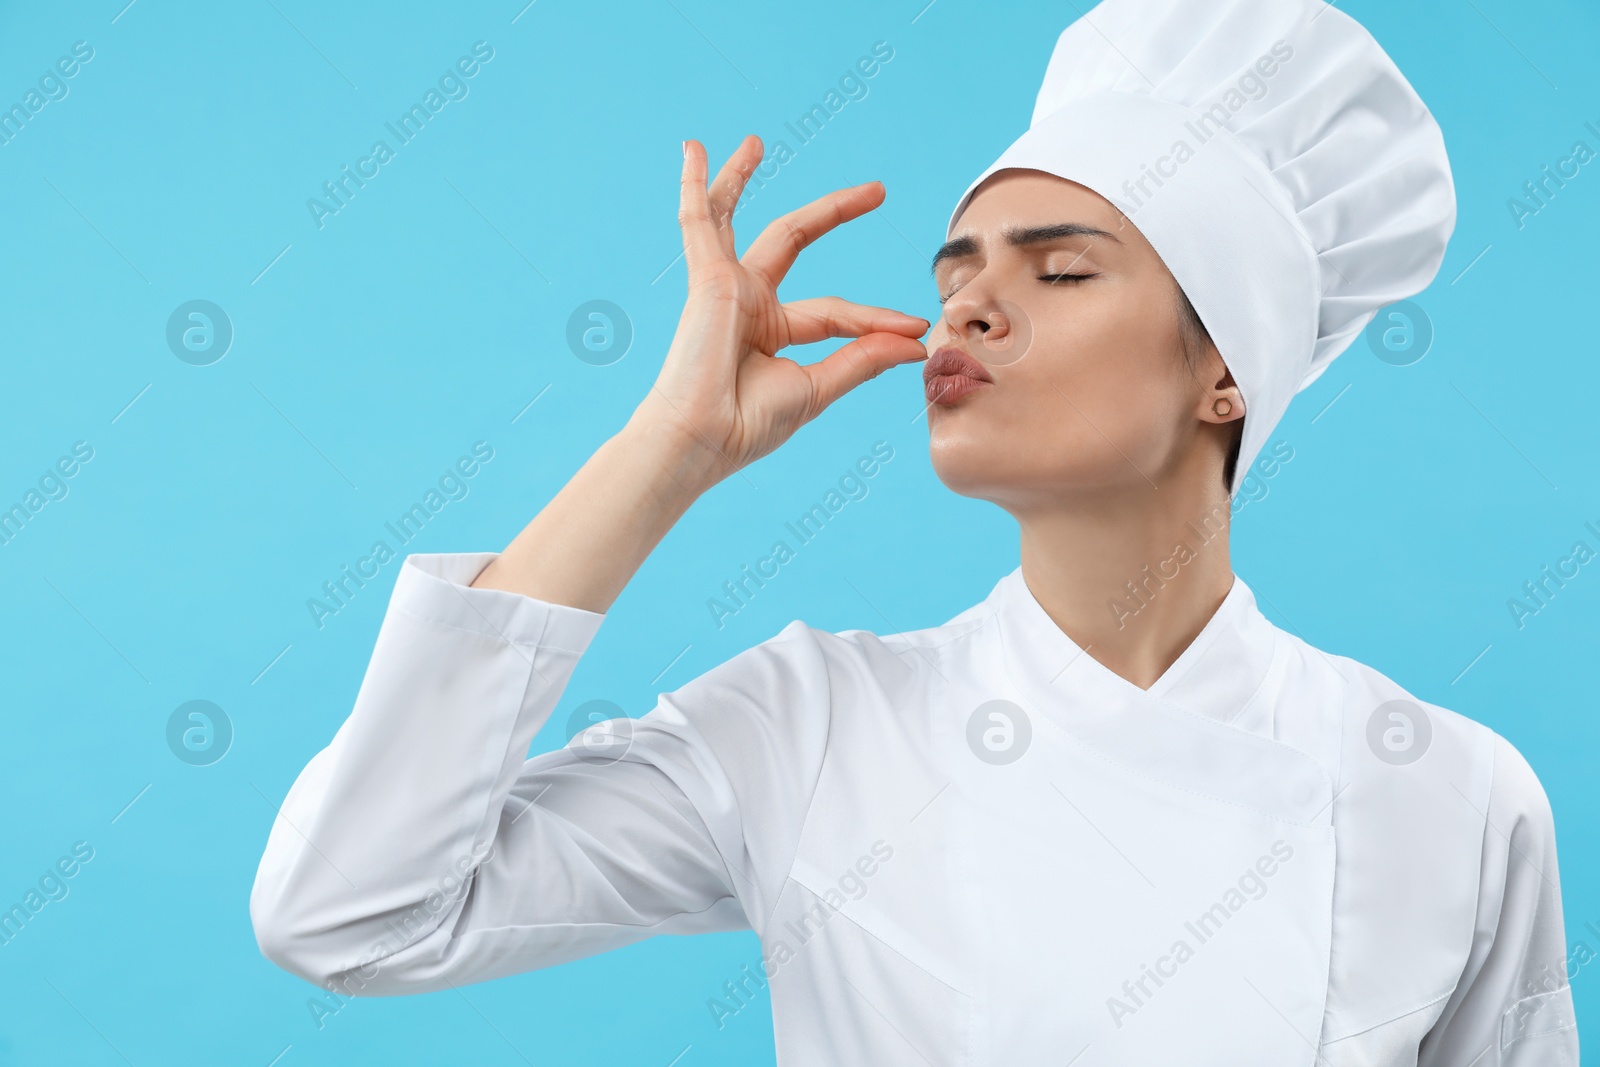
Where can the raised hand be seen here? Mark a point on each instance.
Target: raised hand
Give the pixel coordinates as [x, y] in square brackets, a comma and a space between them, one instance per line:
[723, 384]
[724, 397]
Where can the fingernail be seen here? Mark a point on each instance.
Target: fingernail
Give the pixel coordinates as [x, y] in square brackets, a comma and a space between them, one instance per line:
[686, 150]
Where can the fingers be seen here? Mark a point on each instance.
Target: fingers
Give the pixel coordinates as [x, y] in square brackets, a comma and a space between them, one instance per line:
[773, 253]
[859, 361]
[706, 213]
[832, 316]
[700, 243]
[729, 186]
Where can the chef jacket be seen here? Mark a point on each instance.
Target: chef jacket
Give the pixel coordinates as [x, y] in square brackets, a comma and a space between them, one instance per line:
[967, 844]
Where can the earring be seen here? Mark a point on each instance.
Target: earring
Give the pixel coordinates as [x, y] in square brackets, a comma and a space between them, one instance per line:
[1223, 406]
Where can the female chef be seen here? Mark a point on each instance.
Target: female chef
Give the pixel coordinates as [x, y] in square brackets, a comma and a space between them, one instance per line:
[1108, 815]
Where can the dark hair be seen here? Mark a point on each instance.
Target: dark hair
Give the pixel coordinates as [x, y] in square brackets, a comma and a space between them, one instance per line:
[1195, 336]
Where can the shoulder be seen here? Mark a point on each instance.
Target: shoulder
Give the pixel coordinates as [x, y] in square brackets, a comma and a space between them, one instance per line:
[847, 651]
[863, 661]
[1518, 793]
[1380, 717]
[788, 665]
[1393, 723]
[811, 668]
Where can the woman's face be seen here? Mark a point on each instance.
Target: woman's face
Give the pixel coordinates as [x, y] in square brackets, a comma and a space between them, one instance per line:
[1075, 319]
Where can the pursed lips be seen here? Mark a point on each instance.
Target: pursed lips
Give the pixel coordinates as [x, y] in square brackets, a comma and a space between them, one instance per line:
[951, 374]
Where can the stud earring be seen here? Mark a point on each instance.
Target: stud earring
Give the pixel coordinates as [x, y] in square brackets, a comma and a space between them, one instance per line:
[1223, 406]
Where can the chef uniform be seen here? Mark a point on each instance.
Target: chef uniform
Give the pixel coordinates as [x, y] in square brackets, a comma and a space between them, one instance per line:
[974, 844]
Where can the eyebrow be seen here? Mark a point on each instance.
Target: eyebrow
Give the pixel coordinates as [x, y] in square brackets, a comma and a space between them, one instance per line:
[1018, 236]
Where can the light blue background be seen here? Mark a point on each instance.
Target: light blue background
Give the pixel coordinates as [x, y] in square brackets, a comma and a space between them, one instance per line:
[431, 310]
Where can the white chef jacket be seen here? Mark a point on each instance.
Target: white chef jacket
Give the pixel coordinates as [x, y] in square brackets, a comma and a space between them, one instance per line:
[969, 844]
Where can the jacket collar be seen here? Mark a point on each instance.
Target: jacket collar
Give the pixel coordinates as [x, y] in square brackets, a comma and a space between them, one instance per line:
[1219, 675]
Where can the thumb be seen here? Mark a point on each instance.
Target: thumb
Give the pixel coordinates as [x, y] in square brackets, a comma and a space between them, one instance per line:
[861, 360]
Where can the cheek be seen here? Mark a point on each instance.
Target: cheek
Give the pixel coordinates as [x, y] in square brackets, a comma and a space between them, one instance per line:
[1115, 365]
[1107, 387]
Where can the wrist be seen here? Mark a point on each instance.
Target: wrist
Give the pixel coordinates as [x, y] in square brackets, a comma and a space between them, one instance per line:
[685, 462]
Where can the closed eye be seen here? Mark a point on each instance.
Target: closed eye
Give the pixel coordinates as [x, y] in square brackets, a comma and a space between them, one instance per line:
[1053, 279]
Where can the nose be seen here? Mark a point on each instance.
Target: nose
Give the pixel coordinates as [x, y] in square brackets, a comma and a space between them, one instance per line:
[974, 314]
[992, 328]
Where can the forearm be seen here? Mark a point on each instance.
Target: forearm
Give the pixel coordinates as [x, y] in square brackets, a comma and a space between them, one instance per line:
[592, 537]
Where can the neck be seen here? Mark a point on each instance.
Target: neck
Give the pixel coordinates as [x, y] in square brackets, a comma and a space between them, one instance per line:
[1132, 578]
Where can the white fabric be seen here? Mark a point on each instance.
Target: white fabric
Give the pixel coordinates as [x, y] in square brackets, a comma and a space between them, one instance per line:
[918, 904]
[1274, 156]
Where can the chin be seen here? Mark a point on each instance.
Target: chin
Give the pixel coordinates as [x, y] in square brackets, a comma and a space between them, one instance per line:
[968, 463]
[1015, 470]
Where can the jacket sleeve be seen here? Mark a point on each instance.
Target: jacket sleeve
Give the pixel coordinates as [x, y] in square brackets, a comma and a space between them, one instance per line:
[421, 848]
[1513, 1005]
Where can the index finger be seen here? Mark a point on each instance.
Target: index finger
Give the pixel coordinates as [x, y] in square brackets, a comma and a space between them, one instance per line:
[774, 251]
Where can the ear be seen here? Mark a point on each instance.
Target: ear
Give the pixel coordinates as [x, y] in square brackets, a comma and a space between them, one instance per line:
[1223, 396]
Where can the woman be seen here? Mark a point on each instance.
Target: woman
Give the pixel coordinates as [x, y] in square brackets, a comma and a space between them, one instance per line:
[1108, 815]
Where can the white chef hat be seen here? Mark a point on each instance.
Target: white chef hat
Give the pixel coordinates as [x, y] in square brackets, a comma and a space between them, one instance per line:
[1273, 155]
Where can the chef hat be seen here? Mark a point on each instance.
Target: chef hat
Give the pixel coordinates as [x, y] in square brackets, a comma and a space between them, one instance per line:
[1273, 155]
